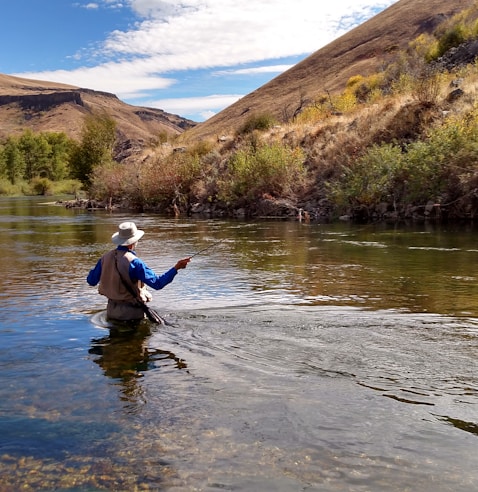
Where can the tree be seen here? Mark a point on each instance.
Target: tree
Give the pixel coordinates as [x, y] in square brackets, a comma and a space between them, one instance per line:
[59, 160]
[35, 150]
[95, 148]
[3, 164]
[14, 162]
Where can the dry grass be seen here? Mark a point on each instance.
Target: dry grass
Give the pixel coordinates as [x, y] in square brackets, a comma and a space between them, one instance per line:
[362, 51]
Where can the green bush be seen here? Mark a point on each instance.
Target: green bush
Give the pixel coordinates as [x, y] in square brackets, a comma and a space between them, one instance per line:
[273, 169]
[445, 161]
[67, 187]
[9, 189]
[261, 122]
[41, 186]
[452, 38]
[370, 180]
[441, 167]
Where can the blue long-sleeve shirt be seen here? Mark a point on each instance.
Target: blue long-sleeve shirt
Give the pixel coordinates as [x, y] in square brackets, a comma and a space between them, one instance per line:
[138, 270]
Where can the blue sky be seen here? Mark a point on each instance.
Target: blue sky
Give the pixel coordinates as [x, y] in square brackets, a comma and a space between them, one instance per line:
[192, 58]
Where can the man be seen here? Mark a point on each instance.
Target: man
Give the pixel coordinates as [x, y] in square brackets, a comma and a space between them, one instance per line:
[120, 274]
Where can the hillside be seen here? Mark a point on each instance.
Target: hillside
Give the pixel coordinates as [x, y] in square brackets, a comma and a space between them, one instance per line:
[362, 51]
[49, 106]
[400, 144]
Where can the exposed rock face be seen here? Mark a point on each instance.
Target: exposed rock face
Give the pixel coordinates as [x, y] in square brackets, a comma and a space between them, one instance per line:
[461, 55]
[42, 102]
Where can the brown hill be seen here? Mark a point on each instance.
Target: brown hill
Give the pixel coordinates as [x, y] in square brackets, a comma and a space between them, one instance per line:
[361, 51]
[49, 106]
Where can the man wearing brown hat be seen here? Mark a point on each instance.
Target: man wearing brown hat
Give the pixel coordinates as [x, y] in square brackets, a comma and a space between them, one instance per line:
[123, 277]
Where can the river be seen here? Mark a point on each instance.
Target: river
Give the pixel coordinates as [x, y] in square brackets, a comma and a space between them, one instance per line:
[296, 357]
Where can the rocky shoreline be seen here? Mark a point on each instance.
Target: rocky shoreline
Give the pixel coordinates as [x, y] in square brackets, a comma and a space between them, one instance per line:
[284, 209]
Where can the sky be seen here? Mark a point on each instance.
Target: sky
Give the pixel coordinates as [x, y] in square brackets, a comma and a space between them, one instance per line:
[191, 58]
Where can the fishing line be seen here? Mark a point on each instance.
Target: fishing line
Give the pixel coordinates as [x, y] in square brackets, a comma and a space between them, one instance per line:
[207, 247]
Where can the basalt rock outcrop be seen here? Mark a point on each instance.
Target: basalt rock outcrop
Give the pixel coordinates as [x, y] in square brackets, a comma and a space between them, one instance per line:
[42, 102]
[458, 56]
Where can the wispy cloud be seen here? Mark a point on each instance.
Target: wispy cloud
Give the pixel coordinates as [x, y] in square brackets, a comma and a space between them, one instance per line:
[203, 105]
[119, 78]
[219, 36]
[254, 70]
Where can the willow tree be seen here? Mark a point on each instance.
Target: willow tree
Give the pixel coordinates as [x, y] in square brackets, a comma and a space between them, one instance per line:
[14, 162]
[36, 152]
[95, 148]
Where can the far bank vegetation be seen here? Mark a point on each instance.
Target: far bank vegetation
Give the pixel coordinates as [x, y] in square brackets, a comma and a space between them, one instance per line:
[399, 143]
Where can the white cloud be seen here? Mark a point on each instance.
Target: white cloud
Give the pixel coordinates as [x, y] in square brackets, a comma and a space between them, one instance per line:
[162, 8]
[215, 35]
[205, 115]
[199, 105]
[119, 78]
[254, 70]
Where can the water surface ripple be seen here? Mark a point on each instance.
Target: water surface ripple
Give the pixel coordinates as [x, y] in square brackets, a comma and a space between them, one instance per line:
[296, 357]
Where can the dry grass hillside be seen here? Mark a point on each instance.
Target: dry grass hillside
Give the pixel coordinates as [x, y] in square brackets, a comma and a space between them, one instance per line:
[381, 123]
[51, 107]
[362, 51]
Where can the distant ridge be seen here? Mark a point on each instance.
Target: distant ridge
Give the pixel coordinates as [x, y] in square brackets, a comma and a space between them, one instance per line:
[49, 106]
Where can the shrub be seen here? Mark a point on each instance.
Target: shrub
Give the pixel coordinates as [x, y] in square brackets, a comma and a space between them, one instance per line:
[313, 114]
[446, 160]
[370, 180]
[108, 181]
[442, 167]
[167, 181]
[344, 102]
[426, 87]
[254, 171]
[67, 187]
[452, 38]
[354, 81]
[363, 87]
[41, 186]
[9, 189]
[259, 122]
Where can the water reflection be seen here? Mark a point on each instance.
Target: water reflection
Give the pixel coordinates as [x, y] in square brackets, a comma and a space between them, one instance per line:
[124, 355]
[307, 365]
[462, 424]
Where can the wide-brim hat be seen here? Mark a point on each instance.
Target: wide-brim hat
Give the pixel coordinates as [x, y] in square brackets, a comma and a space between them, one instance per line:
[127, 234]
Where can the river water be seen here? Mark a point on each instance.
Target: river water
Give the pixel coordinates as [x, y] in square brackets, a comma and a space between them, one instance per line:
[296, 357]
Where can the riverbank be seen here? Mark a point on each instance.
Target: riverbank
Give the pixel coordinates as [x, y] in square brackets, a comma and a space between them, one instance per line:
[279, 209]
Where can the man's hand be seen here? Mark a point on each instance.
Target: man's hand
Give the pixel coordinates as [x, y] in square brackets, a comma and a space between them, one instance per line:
[182, 263]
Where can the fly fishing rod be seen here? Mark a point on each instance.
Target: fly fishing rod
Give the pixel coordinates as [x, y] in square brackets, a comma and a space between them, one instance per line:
[207, 247]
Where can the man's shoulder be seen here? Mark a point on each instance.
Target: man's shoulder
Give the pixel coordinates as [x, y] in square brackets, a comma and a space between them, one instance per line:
[132, 258]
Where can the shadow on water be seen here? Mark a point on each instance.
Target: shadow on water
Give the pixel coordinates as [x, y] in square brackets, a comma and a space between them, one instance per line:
[47, 439]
